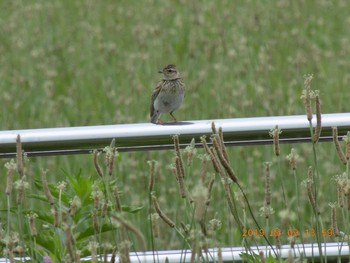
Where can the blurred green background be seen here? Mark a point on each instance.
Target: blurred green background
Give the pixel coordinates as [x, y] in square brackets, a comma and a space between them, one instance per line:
[69, 63]
[72, 63]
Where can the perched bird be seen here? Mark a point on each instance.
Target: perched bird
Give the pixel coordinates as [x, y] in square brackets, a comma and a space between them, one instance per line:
[168, 94]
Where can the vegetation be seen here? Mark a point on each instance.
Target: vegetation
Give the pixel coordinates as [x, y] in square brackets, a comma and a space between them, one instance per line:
[73, 63]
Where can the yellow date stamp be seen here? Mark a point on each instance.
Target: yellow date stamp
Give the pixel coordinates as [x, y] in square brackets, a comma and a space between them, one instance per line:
[290, 232]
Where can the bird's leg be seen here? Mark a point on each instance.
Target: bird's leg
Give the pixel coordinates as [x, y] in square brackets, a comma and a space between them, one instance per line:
[171, 114]
[159, 122]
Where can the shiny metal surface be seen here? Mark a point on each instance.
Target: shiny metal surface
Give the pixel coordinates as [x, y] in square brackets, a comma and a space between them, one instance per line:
[333, 252]
[147, 136]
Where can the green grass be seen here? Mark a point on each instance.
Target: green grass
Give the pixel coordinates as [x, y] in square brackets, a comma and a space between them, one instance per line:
[73, 63]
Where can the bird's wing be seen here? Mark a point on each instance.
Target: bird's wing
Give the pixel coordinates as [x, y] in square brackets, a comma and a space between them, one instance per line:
[154, 96]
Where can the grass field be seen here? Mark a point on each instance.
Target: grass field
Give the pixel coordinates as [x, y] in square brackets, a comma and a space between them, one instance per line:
[72, 63]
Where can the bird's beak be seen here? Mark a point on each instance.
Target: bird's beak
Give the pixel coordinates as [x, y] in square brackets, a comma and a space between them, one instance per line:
[160, 71]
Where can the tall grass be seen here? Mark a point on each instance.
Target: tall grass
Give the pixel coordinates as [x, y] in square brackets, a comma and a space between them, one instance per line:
[209, 207]
[70, 63]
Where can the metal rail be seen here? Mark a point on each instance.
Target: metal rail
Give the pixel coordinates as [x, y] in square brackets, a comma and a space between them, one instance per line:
[147, 136]
[335, 252]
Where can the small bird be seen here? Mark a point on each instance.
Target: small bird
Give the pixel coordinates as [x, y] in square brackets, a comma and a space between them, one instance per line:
[168, 94]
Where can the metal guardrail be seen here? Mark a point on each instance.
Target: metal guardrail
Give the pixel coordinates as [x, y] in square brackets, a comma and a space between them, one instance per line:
[335, 252]
[147, 136]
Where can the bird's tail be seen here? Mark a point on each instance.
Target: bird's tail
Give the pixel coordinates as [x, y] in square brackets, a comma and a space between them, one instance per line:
[155, 117]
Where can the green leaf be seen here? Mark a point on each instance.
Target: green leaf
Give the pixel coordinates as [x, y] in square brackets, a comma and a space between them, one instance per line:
[81, 186]
[250, 257]
[132, 210]
[89, 231]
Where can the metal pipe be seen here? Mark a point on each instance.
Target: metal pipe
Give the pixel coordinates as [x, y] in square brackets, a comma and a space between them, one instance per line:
[333, 252]
[147, 136]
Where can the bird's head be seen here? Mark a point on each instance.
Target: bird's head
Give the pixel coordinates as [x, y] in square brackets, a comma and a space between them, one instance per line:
[170, 72]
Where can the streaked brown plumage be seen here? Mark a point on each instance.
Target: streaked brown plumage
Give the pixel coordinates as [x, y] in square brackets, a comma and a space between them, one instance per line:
[168, 94]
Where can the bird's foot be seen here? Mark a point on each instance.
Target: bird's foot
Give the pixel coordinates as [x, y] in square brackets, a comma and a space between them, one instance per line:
[175, 120]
